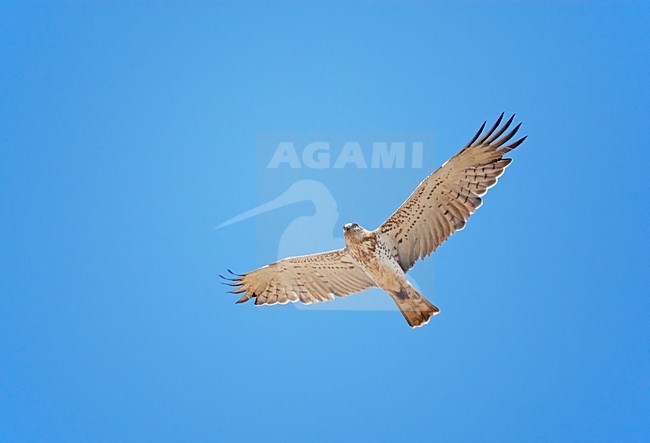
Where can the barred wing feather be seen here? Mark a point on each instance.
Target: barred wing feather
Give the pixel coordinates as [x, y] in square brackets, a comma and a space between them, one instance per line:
[308, 279]
[444, 201]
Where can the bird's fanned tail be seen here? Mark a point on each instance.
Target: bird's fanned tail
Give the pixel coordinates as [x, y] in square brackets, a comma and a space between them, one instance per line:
[415, 308]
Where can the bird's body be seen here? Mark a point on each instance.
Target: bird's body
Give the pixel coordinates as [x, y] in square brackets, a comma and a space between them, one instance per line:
[439, 206]
[374, 257]
[377, 256]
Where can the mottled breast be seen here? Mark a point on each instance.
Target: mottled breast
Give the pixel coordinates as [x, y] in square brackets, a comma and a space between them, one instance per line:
[362, 250]
[376, 260]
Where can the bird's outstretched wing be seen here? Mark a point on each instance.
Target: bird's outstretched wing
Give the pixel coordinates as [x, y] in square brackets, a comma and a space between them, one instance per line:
[308, 278]
[443, 202]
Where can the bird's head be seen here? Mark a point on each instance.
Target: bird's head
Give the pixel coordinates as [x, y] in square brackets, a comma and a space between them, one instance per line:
[353, 230]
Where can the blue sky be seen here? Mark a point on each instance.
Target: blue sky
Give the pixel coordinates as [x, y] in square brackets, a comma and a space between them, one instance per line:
[129, 130]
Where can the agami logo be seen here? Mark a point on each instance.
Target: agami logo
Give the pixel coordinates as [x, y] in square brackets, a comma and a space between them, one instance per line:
[323, 155]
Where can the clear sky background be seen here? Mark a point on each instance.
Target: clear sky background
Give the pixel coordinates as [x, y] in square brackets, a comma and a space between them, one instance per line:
[128, 131]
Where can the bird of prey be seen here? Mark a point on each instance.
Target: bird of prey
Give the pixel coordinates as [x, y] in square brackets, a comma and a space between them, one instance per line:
[439, 206]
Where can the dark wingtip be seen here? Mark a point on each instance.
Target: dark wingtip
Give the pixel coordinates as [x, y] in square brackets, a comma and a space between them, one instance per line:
[507, 137]
[234, 273]
[499, 120]
[245, 298]
[476, 136]
[490, 131]
[512, 146]
[518, 142]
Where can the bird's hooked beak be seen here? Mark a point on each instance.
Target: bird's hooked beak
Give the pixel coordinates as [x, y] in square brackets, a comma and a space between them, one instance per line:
[352, 228]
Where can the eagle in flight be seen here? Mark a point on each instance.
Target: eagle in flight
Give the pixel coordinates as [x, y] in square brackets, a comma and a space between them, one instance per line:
[439, 206]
